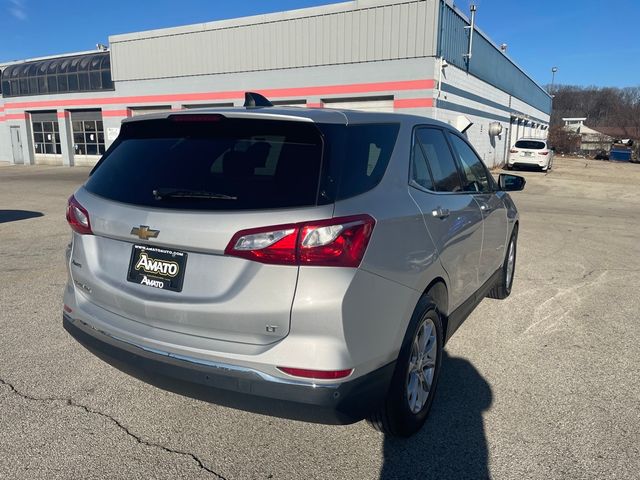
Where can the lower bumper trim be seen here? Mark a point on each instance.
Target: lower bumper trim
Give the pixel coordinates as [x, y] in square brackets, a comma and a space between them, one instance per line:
[240, 388]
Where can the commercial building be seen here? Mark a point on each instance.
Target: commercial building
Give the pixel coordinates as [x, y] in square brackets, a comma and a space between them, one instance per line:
[415, 56]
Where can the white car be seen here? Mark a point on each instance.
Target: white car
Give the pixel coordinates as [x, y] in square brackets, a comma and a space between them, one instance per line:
[531, 152]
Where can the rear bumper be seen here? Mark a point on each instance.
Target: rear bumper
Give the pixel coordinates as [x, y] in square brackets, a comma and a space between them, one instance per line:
[239, 387]
[528, 161]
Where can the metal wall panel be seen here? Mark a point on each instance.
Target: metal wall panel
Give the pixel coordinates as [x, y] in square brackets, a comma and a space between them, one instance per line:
[363, 31]
[487, 63]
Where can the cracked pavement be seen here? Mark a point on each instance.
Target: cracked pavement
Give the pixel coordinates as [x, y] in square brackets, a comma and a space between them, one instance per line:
[58, 403]
[541, 385]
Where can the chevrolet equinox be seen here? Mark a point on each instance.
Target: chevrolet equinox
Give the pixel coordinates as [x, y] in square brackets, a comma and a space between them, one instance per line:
[314, 260]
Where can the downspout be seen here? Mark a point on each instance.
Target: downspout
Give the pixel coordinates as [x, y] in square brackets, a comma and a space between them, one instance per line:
[471, 29]
[440, 13]
[442, 64]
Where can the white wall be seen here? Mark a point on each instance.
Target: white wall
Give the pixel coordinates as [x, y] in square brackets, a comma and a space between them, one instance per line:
[483, 104]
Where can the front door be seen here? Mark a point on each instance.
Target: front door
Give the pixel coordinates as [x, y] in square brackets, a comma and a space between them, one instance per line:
[452, 216]
[16, 145]
[478, 182]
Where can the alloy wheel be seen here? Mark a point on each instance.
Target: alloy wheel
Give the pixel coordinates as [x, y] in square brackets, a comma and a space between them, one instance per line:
[422, 365]
[511, 261]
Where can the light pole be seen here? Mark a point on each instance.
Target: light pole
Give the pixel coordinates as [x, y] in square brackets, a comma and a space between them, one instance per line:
[553, 77]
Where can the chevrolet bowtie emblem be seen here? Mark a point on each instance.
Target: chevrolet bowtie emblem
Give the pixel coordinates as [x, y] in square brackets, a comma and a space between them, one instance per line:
[144, 232]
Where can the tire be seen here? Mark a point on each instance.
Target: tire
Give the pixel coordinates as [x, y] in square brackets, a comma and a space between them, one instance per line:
[402, 413]
[502, 288]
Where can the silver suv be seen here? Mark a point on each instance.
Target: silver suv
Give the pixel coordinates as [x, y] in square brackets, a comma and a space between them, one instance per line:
[306, 263]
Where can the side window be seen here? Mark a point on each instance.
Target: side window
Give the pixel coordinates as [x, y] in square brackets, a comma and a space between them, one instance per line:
[476, 176]
[441, 163]
[420, 171]
[367, 153]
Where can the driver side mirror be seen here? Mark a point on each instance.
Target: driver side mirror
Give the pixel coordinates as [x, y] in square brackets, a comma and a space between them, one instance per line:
[511, 183]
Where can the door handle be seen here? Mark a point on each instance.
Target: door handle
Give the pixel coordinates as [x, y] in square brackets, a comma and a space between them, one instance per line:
[441, 212]
[485, 208]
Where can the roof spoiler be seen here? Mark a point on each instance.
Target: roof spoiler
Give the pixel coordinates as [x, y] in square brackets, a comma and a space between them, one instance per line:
[255, 100]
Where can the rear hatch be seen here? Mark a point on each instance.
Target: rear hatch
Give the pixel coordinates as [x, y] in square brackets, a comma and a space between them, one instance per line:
[530, 148]
[166, 200]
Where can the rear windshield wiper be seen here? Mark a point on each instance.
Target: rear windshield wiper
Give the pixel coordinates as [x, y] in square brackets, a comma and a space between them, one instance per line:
[162, 193]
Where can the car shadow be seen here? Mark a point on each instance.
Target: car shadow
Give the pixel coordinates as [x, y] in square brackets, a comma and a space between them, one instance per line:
[15, 215]
[452, 443]
[528, 168]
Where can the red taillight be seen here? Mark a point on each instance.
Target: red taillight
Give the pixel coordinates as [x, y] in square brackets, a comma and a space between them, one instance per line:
[336, 242]
[543, 153]
[276, 244]
[78, 217]
[317, 374]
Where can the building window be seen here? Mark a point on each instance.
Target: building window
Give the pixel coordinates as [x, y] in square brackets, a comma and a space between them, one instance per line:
[46, 134]
[88, 137]
[83, 73]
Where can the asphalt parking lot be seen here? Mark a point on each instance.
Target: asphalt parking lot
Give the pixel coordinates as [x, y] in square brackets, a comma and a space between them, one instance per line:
[542, 385]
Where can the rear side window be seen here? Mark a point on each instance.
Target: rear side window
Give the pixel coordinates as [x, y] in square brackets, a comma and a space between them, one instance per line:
[361, 161]
[441, 163]
[420, 171]
[530, 144]
[213, 163]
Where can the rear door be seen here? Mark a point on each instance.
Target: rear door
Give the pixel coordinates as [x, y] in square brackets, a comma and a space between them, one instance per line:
[165, 202]
[477, 180]
[452, 216]
[16, 145]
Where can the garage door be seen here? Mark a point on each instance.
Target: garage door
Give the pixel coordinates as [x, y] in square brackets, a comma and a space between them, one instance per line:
[384, 105]
[135, 111]
[289, 103]
[208, 105]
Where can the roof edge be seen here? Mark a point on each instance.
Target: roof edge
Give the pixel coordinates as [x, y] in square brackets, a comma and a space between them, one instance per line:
[494, 45]
[279, 16]
[51, 57]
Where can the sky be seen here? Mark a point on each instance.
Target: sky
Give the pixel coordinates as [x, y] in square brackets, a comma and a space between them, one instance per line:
[591, 42]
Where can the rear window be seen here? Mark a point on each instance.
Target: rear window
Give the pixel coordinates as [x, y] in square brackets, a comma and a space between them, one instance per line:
[218, 163]
[246, 164]
[530, 144]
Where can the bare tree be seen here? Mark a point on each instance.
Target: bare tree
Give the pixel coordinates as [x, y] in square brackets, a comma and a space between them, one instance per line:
[603, 107]
[562, 140]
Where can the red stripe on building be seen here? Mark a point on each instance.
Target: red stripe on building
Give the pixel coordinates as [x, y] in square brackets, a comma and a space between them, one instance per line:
[353, 88]
[315, 105]
[115, 113]
[15, 116]
[413, 103]
[273, 92]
